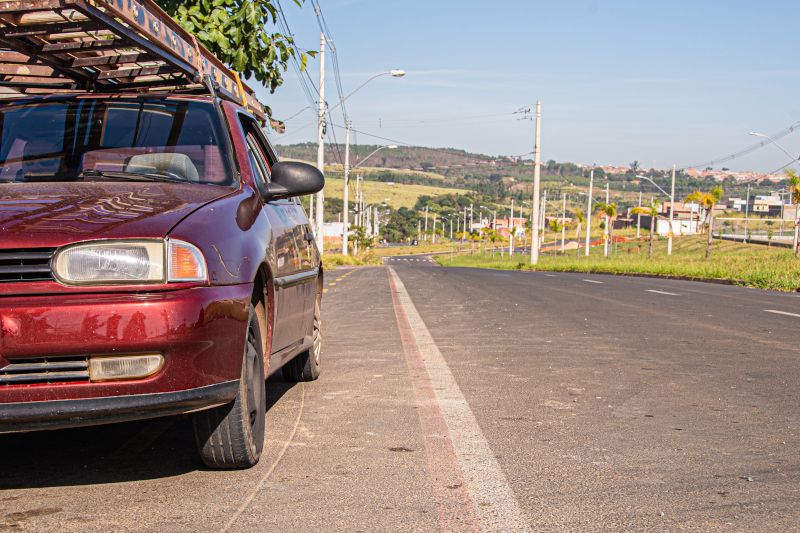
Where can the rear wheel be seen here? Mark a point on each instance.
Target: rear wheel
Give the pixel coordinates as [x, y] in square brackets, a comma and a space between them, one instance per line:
[232, 435]
[306, 366]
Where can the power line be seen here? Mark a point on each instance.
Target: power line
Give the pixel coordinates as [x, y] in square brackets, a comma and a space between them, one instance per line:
[744, 151]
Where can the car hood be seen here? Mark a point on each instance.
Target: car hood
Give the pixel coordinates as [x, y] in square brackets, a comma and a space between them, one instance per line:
[54, 214]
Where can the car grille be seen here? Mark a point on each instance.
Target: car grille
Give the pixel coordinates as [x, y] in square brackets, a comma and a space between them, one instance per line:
[45, 370]
[25, 264]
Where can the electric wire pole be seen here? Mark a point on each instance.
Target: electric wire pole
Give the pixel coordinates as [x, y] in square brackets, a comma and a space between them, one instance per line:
[536, 159]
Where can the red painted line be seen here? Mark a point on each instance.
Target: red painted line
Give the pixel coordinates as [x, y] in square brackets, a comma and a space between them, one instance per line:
[455, 510]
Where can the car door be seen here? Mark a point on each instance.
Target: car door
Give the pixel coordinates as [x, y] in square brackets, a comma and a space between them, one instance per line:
[294, 287]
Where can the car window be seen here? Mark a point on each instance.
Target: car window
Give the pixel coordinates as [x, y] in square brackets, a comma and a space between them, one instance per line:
[176, 139]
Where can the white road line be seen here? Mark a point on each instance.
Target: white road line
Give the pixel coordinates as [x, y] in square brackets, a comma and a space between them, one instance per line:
[484, 479]
[554, 276]
[662, 292]
[780, 312]
[592, 281]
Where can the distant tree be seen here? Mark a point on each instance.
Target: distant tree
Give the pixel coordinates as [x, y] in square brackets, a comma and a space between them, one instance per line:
[652, 211]
[555, 226]
[634, 166]
[609, 211]
[707, 201]
[426, 164]
[578, 216]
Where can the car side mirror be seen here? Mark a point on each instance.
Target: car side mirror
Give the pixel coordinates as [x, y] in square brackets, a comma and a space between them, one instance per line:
[291, 178]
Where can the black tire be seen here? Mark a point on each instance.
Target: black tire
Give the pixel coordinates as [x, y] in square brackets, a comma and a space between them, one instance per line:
[232, 435]
[306, 366]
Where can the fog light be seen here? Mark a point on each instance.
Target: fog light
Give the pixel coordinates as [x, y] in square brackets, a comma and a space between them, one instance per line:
[127, 367]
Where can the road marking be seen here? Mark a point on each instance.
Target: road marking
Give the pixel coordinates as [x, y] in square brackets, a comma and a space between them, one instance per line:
[554, 276]
[277, 460]
[780, 312]
[502, 274]
[340, 279]
[662, 292]
[592, 281]
[139, 442]
[331, 284]
[324, 290]
[456, 447]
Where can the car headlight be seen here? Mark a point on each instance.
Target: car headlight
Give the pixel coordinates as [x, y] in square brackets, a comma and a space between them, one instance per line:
[129, 262]
[113, 262]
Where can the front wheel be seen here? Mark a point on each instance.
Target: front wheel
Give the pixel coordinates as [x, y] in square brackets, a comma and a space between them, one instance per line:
[232, 435]
[306, 366]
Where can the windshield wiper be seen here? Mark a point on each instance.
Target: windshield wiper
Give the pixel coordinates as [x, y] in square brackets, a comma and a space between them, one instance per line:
[93, 174]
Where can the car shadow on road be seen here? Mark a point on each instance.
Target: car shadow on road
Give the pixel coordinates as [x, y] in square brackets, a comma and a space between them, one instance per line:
[112, 453]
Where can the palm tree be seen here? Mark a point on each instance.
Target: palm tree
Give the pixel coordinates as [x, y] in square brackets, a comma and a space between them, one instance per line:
[609, 211]
[578, 215]
[707, 200]
[793, 181]
[652, 212]
[493, 236]
[556, 226]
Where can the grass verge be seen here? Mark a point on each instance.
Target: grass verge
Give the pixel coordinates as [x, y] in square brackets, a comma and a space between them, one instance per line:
[330, 260]
[746, 264]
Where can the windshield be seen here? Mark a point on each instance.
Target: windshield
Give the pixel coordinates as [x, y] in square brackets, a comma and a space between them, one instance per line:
[174, 139]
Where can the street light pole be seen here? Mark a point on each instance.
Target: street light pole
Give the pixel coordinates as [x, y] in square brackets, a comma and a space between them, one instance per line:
[589, 211]
[639, 216]
[564, 221]
[320, 143]
[536, 159]
[346, 181]
[671, 210]
[746, 213]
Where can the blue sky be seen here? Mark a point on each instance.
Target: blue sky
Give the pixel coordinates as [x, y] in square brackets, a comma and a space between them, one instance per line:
[670, 82]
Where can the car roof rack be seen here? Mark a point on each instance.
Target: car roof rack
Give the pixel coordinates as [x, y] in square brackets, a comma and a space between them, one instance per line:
[107, 46]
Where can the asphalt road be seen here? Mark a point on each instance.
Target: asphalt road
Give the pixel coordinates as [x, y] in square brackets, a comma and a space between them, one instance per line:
[464, 399]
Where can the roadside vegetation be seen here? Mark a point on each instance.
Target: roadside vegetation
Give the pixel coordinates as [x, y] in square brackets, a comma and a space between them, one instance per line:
[748, 265]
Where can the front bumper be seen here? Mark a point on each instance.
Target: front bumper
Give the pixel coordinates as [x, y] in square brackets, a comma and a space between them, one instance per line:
[200, 331]
[33, 416]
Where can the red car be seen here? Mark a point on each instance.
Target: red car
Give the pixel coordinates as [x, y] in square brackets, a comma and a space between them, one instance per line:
[154, 260]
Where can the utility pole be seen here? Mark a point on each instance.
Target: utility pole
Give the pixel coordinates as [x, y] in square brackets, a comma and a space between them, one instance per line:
[433, 235]
[425, 235]
[671, 210]
[321, 140]
[639, 216]
[606, 232]
[564, 220]
[535, 202]
[346, 182]
[589, 211]
[543, 215]
[511, 231]
[470, 217]
[746, 213]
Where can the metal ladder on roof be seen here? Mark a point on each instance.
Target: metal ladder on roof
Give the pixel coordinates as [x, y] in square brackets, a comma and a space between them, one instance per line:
[107, 46]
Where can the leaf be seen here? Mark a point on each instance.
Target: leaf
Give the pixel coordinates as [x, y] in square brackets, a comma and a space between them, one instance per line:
[303, 61]
[239, 60]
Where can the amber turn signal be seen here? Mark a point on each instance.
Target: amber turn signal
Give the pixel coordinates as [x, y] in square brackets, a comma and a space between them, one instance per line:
[186, 262]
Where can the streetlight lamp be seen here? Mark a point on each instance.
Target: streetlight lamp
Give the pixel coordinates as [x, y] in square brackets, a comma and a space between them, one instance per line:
[321, 137]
